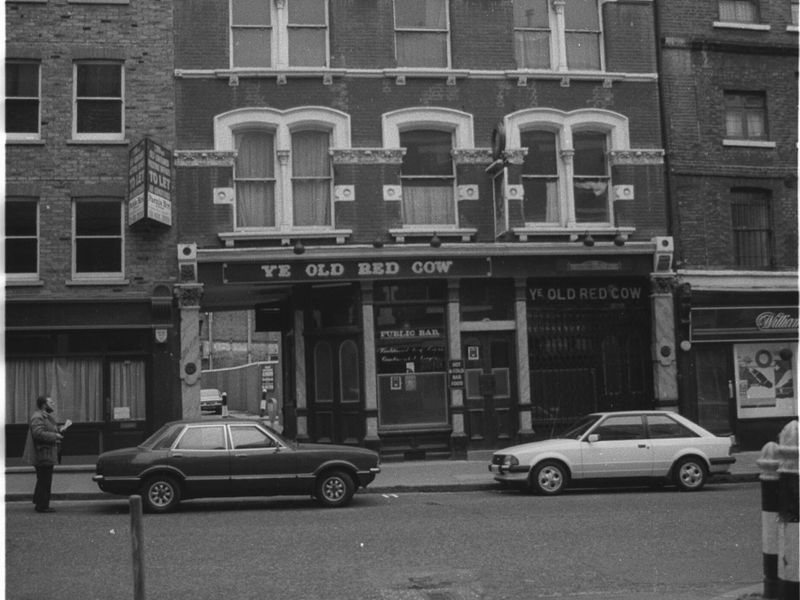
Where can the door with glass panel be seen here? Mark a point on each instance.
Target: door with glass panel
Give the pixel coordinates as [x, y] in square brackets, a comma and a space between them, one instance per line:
[489, 389]
[336, 391]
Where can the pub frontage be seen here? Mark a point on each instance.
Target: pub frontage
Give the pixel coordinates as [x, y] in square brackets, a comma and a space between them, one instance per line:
[424, 351]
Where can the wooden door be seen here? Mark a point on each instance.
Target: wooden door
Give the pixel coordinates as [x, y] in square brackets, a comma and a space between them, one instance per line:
[336, 407]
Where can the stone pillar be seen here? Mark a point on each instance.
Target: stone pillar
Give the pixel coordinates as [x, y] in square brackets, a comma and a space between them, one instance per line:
[300, 376]
[665, 369]
[189, 295]
[458, 437]
[525, 432]
[371, 439]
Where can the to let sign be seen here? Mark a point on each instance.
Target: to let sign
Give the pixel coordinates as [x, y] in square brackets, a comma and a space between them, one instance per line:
[150, 183]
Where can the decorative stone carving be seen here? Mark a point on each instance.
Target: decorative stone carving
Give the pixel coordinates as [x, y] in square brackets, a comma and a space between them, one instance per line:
[368, 156]
[654, 156]
[515, 156]
[472, 156]
[204, 158]
[189, 294]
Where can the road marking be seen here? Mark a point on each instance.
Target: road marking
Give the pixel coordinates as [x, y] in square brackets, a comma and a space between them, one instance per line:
[390, 496]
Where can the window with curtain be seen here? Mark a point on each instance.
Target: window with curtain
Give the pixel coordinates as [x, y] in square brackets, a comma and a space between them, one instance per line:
[738, 11]
[582, 34]
[76, 385]
[307, 32]
[251, 33]
[23, 99]
[97, 244]
[267, 34]
[421, 33]
[311, 178]
[532, 34]
[99, 106]
[752, 228]
[254, 178]
[428, 178]
[746, 115]
[127, 388]
[590, 178]
[540, 177]
[22, 237]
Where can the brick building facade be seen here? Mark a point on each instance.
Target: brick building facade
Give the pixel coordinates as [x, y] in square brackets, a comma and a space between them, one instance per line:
[454, 212]
[88, 285]
[729, 88]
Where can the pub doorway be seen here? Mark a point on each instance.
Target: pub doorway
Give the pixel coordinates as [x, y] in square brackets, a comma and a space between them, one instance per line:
[489, 389]
[335, 409]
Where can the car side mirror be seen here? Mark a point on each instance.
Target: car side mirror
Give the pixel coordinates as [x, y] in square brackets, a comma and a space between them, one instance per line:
[593, 437]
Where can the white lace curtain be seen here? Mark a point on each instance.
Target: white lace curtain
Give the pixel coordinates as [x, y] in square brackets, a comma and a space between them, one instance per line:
[255, 179]
[76, 385]
[311, 178]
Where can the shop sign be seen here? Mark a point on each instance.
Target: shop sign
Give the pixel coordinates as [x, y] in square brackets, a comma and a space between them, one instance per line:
[285, 272]
[734, 323]
[149, 183]
[558, 294]
[456, 373]
[423, 332]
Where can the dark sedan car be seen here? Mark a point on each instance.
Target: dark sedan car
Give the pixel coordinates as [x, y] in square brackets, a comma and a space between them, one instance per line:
[232, 457]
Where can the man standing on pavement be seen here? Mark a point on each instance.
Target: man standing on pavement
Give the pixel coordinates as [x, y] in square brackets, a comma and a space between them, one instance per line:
[41, 450]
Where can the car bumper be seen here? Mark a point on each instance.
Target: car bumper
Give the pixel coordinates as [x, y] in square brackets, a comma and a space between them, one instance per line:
[116, 486]
[721, 465]
[367, 477]
[508, 476]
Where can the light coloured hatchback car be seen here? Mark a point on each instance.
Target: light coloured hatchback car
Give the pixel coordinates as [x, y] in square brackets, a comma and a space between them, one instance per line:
[609, 446]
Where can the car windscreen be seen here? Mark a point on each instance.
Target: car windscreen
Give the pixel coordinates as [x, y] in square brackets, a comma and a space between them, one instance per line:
[579, 428]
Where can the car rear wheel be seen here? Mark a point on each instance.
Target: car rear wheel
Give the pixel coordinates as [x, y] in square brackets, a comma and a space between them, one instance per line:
[690, 474]
[334, 489]
[161, 494]
[549, 477]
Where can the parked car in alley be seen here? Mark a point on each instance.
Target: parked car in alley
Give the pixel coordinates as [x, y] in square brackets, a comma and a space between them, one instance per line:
[227, 457]
[211, 399]
[612, 446]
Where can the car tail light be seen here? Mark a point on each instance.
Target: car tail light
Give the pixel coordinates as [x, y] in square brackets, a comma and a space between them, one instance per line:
[733, 444]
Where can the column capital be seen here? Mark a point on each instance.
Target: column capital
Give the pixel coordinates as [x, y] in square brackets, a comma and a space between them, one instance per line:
[188, 294]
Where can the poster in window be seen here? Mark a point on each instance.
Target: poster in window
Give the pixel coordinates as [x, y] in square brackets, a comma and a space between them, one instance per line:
[765, 382]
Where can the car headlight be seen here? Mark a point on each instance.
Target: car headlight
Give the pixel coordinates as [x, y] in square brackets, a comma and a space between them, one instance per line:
[510, 461]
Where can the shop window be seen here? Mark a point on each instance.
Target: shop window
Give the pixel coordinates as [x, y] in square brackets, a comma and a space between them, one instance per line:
[97, 240]
[481, 302]
[422, 33]
[558, 36]
[566, 172]
[738, 11]
[410, 291]
[22, 238]
[99, 105]
[428, 178]
[270, 34]
[23, 100]
[127, 387]
[752, 229]
[746, 116]
[283, 173]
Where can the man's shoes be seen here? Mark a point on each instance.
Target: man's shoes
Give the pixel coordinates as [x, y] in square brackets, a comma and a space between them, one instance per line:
[45, 510]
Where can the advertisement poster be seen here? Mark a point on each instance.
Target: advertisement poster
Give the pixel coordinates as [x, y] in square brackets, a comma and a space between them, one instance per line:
[765, 382]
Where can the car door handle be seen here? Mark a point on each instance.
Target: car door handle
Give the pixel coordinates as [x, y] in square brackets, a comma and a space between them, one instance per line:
[240, 455]
[643, 446]
[177, 456]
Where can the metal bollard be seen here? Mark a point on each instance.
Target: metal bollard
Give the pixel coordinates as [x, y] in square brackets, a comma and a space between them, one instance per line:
[137, 546]
[788, 539]
[768, 464]
[224, 404]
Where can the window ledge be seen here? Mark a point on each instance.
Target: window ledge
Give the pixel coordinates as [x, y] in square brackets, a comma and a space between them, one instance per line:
[441, 231]
[574, 232]
[122, 142]
[24, 142]
[747, 26]
[80, 282]
[10, 282]
[749, 143]
[285, 236]
[792, 28]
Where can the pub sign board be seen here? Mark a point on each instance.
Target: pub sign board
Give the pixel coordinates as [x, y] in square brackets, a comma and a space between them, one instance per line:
[150, 183]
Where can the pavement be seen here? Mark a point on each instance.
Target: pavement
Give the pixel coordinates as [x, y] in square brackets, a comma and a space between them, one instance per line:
[72, 480]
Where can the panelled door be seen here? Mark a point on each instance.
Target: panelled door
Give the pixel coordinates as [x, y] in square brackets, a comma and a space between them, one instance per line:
[490, 396]
[336, 391]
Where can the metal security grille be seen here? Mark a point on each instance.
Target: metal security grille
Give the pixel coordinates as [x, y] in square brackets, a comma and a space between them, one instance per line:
[587, 360]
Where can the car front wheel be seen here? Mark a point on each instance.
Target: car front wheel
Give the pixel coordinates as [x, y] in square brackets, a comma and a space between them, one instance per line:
[334, 489]
[549, 478]
[690, 474]
[161, 494]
